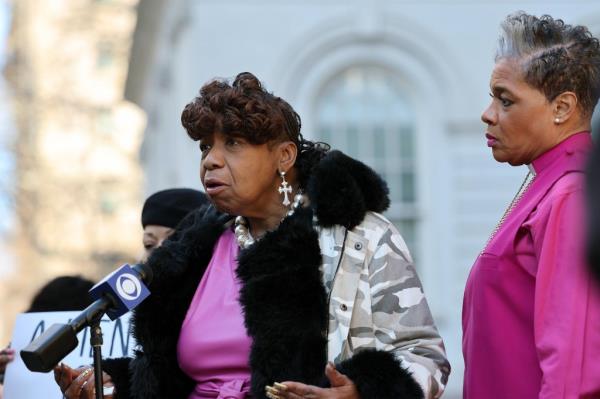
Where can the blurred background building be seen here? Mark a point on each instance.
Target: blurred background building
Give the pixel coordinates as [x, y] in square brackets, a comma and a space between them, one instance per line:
[77, 181]
[400, 85]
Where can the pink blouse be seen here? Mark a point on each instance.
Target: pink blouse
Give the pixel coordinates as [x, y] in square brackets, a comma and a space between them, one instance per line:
[213, 346]
[531, 312]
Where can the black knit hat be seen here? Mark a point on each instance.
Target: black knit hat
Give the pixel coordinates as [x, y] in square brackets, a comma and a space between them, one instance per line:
[168, 207]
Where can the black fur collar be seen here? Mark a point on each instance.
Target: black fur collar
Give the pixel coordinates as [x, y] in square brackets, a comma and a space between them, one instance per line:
[342, 190]
[285, 304]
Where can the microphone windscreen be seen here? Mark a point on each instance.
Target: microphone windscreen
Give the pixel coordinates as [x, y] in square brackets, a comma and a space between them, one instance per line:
[43, 353]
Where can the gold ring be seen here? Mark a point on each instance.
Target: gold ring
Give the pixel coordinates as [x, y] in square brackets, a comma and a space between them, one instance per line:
[87, 372]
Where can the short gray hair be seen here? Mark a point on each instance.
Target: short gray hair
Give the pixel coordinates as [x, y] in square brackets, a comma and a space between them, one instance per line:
[555, 57]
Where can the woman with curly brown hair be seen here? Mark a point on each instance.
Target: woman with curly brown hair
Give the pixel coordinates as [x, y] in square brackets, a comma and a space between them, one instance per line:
[292, 285]
[531, 314]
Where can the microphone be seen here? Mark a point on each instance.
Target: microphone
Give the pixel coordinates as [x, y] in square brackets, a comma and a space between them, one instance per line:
[116, 294]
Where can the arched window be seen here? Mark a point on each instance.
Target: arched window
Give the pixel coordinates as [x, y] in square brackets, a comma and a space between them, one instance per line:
[363, 112]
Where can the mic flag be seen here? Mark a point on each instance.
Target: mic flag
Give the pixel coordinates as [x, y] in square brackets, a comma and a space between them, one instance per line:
[124, 287]
[115, 295]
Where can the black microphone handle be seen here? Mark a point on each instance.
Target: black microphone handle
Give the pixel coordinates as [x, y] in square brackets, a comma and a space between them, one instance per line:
[93, 312]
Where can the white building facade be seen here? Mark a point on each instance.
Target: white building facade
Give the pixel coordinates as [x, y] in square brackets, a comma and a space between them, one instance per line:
[399, 85]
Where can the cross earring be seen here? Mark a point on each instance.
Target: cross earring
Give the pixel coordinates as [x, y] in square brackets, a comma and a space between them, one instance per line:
[284, 189]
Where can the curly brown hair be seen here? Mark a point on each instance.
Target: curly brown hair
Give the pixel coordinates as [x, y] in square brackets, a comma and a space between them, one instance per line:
[555, 57]
[242, 109]
[246, 109]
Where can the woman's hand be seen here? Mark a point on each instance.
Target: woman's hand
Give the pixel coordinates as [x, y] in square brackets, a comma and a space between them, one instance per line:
[342, 387]
[79, 383]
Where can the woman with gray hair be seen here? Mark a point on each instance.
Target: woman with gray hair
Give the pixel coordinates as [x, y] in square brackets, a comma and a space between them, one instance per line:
[531, 313]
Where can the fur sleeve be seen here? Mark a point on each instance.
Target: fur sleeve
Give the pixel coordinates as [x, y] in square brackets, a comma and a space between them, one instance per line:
[378, 375]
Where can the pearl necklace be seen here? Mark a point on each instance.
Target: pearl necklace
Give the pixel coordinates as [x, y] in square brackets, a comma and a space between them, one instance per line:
[242, 233]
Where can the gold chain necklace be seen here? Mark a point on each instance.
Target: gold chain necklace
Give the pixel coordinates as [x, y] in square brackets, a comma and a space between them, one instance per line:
[522, 190]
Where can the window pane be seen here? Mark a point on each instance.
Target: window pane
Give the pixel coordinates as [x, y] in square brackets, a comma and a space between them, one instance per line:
[408, 187]
[352, 139]
[379, 141]
[325, 133]
[406, 146]
[407, 229]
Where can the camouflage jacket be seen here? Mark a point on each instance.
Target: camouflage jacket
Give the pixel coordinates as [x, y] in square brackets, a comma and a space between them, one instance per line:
[376, 301]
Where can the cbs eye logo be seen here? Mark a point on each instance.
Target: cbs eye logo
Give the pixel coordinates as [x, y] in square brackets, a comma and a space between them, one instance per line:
[128, 286]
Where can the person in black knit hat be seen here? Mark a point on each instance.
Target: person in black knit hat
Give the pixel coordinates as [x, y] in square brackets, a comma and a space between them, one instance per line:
[162, 212]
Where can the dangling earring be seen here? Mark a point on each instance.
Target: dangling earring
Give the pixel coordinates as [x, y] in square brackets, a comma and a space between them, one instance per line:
[284, 189]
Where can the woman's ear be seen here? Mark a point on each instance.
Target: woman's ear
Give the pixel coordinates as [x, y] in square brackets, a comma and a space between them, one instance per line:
[565, 107]
[287, 155]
